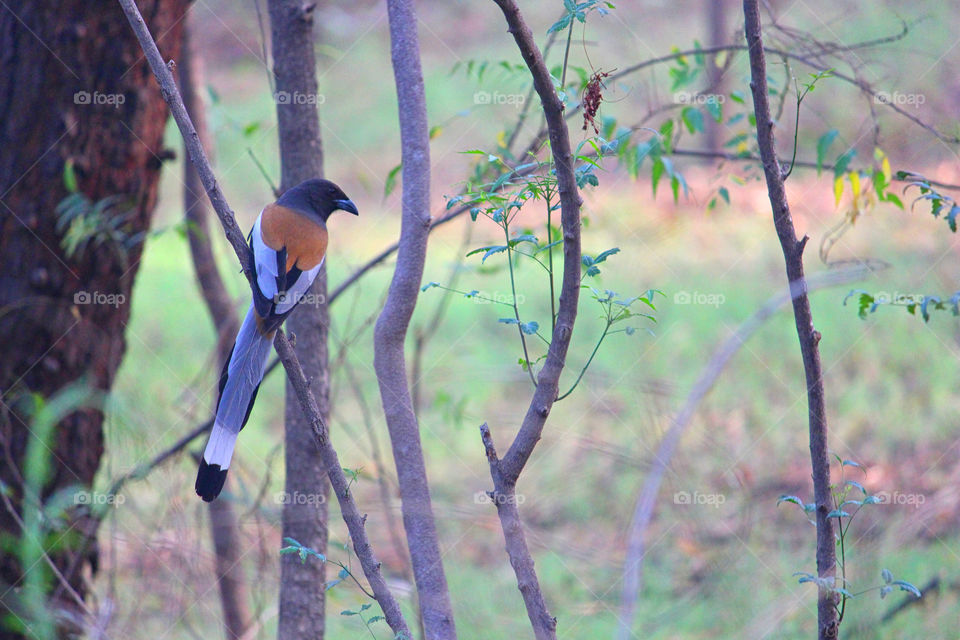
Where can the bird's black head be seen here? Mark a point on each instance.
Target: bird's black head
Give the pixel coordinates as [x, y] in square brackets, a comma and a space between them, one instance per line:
[318, 198]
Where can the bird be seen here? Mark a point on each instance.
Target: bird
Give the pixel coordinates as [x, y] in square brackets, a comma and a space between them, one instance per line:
[288, 244]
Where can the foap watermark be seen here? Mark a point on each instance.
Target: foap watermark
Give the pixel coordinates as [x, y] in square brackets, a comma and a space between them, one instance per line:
[689, 97]
[496, 97]
[489, 497]
[306, 300]
[98, 499]
[98, 98]
[296, 97]
[699, 499]
[495, 297]
[99, 298]
[895, 297]
[900, 99]
[902, 499]
[285, 497]
[699, 297]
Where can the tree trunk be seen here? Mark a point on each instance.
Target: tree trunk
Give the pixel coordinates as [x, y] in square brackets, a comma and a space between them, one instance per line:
[306, 486]
[715, 13]
[74, 88]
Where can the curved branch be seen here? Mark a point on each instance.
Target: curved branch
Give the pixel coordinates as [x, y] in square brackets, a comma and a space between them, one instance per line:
[506, 471]
[391, 330]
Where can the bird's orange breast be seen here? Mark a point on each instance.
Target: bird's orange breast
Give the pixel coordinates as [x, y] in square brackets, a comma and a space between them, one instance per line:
[305, 240]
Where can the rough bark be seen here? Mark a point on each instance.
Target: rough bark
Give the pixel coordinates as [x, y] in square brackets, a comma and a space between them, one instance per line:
[506, 471]
[394, 320]
[73, 87]
[224, 526]
[809, 337]
[348, 508]
[302, 612]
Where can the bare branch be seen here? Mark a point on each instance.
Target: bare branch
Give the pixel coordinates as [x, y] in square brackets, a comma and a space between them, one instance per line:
[809, 337]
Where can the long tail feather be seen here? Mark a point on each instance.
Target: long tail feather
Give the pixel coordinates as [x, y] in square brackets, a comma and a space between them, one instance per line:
[239, 384]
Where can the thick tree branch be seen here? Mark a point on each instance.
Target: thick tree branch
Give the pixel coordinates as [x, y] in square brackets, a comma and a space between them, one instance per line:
[391, 329]
[809, 337]
[355, 523]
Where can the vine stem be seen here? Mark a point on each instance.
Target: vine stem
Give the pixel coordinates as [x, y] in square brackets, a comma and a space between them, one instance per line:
[566, 55]
[589, 360]
[553, 303]
[516, 309]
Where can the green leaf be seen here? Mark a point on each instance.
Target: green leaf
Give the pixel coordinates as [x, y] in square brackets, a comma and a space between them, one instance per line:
[527, 237]
[823, 144]
[887, 576]
[906, 586]
[715, 109]
[429, 285]
[854, 483]
[529, 328]
[791, 499]
[843, 161]
[69, 176]
[656, 173]
[724, 194]
[893, 199]
[561, 24]
[693, 119]
[391, 182]
[490, 250]
[606, 254]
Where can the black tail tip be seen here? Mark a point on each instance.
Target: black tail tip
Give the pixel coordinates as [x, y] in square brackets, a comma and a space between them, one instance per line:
[210, 479]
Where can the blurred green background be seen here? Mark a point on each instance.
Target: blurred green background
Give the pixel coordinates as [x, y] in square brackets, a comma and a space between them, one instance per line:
[710, 570]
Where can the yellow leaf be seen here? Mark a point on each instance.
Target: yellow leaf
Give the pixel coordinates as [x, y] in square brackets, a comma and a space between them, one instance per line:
[502, 139]
[855, 182]
[838, 188]
[881, 157]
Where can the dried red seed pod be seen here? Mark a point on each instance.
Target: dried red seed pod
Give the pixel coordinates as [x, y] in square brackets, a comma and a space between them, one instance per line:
[592, 97]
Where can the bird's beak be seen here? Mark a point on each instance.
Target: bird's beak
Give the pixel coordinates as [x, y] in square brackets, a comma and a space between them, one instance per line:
[346, 205]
